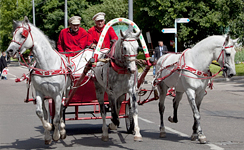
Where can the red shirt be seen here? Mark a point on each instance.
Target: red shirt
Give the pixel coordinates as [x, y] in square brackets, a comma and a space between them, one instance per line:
[72, 41]
[94, 34]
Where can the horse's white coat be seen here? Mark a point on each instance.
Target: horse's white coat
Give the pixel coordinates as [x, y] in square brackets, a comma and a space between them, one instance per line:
[199, 57]
[117, 85]
[52, 86]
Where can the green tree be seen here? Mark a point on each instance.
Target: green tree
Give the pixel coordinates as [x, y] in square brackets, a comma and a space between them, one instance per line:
[11, 10]
[112, 8]
[51, 15]
[207, 17]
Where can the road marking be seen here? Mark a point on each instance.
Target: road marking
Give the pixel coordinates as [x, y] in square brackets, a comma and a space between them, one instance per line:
[212, 146]
[12, 75]
[148, 121]
[177, 132]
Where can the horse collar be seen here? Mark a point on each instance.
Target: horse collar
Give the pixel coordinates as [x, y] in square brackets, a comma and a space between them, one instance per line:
[118, 69]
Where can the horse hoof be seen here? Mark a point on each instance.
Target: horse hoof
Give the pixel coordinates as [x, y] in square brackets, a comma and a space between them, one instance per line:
[162, 134]
[48, 142]
[56, 138]
[171, 120]
[138, 138]
[202, 139]
[104, 138]
[112, 126]
[194, 137]
[62, 134]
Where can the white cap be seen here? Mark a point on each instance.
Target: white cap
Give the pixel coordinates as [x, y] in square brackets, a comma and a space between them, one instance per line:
[99, 16]
[75, 20]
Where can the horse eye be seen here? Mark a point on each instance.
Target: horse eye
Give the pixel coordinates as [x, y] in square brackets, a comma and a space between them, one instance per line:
[125, 48]
[227, 54]
[22, 35]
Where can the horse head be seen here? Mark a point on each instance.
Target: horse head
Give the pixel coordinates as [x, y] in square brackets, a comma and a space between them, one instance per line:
[22, 38]
[228, 57]
[129, 47]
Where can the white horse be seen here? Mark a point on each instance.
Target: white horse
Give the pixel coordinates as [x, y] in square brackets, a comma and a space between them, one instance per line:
[50, 77]
[189, 72]
[117, 78]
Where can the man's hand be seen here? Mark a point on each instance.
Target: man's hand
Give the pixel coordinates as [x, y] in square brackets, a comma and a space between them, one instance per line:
[93, 45]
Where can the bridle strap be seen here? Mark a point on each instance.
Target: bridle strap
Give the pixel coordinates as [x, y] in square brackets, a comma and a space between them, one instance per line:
[122, 50]
[25, 33]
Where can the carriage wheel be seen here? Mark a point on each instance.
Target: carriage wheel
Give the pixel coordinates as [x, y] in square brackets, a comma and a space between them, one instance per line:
[129, 122]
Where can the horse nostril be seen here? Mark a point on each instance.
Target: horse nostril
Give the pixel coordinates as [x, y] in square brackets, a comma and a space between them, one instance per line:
[10, 50]
[129, 70]
[230, 75]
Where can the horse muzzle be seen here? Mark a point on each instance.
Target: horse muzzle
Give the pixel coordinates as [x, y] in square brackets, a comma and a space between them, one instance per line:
[132, 67]
[131, 70]
[229, 72]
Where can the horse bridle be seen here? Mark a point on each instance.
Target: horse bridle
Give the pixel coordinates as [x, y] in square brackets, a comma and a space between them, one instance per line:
[25, 33]
[125, 55]
[223, 53]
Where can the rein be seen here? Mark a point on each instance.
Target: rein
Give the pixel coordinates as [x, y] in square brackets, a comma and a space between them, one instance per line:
[37, 71]
[179, 67]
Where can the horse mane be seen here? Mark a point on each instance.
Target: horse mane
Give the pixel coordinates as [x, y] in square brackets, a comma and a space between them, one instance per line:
[17, 24]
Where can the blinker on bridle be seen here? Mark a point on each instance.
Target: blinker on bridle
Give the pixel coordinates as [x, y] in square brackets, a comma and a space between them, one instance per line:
[25, 33]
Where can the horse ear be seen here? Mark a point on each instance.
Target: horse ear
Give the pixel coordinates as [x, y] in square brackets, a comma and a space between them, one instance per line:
[138, 34]
[15, 22]
[122, 34]
[235, 40]
[26, 20]
[227, 40]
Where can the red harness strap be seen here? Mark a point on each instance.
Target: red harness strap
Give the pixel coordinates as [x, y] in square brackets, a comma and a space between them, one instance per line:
[195, 71]
[179, 66]
[50, 72]
[118, 69]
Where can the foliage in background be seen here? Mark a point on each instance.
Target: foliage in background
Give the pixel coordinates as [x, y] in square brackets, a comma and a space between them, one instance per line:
[50, 14]
[112, 9]
[239, 57]
[11, 10]
[207, 17]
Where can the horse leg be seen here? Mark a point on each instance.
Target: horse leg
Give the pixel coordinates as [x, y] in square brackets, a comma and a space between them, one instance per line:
[134, 112]
[162, 88]
[197, 131]
[115, 113]
[100, 96]
[62, 124]
[176, 102]
[56, 119]
[39, 111]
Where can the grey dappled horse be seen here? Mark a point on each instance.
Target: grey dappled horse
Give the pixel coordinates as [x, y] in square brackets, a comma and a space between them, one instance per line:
[27, 36]
[117, 84]
[200, 57]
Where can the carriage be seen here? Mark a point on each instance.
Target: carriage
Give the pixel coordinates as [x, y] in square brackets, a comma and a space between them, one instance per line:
[82, 91]
[173, 70]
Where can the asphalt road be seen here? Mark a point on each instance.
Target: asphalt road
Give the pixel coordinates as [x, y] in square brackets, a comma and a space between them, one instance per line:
[222, 121]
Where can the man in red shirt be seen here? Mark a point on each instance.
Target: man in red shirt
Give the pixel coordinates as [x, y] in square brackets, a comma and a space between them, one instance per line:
[95, 32]
[73, 39]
